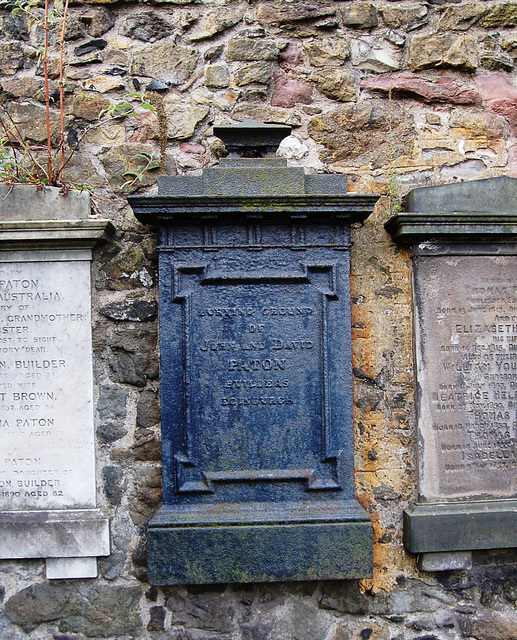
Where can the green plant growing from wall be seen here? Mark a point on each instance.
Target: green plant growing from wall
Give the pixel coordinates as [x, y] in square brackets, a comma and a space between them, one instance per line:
[21, 162]
[394, 152]
[394, 193]
[148, 162]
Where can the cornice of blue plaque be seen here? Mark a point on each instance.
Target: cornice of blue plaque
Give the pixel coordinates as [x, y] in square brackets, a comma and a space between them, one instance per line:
[256, 379]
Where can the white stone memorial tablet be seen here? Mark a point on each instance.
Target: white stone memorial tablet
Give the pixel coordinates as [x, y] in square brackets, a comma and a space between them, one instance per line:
[47, 456]
[46, 395]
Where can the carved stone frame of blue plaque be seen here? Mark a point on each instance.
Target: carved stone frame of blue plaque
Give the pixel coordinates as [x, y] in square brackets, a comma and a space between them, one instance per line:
[257, 437]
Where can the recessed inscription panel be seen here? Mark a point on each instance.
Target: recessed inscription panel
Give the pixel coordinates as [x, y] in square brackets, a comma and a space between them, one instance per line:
[467, 360]
[256, 381]
[46, 423]
[262, 360]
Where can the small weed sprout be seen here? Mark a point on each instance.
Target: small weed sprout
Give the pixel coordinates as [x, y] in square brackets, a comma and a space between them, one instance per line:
[150, 162]
[394, 152]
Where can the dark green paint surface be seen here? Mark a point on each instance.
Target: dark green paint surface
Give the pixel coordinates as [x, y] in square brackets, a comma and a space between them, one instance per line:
[260, 553]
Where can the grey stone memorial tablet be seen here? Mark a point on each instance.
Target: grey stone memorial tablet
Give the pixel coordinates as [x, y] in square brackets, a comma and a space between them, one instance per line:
[466, 338]
[463, 238]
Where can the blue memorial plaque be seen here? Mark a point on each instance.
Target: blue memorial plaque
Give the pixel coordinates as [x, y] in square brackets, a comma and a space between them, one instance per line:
[256, 377]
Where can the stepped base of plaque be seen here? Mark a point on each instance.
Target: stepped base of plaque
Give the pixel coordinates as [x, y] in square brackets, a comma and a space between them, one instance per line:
[461, 526]
[445, 561]
[67, 568]
[59, 536]
[259, 542]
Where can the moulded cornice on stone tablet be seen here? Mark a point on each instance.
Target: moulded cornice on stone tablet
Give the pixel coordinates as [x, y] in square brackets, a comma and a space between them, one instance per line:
[414, 227]
[476, 211]
[31, 235]
[39, 227]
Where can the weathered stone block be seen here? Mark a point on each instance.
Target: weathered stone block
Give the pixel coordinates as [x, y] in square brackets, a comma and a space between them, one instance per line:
[478, 124]
[375, 54]
[490, 625]
[90, 609]
[344, 597]
[255, 72]
[156, 619]
[25, 88]
[146, 26]
[290, 619]
[148, 409]
[444, 89]
[131, 311]
[12, 58]
[132, 359]
[202, 611]
[88, 106]
[166, 62]
[399, 16]
[30, 120]
[74, 28]
[113, 477]
[93, 46]
[128, 269]
[492, 55]
[336, 84]
[287, 15]
[15, 27]
[373, 630]
[97, 21]
[325, 53]
[124, 163]
[443, 50]
[361, 130]
[147, 498]
[500, 16]
[246, 111]
[182, 119]
[112, 411]
[359, 15]
[215, 22]
[147, 446]
[103, 84]
[248, 49]
[217, 76]
[462, 17]
[288, 91]
[500, 96]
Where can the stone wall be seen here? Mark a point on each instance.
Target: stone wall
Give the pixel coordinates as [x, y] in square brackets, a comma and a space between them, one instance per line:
[393, 94]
